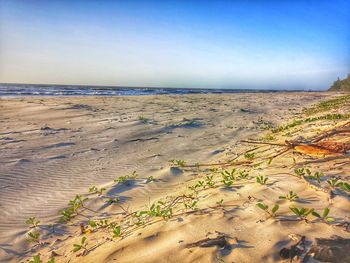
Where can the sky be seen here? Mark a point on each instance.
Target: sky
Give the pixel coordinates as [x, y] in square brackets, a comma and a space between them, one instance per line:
[261, 44]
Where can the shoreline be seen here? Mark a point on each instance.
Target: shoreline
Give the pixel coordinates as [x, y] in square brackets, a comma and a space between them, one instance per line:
[81, 90]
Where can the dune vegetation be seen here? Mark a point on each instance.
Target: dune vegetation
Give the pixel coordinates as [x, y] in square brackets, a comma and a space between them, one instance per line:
[279, 198]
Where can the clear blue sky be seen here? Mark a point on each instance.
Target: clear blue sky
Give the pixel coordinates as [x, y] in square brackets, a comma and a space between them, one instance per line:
[197, 44]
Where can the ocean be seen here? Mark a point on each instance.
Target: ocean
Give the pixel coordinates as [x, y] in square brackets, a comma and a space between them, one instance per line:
[80, 90]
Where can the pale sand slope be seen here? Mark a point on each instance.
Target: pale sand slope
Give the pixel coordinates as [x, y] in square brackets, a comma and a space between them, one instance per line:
[55, 148]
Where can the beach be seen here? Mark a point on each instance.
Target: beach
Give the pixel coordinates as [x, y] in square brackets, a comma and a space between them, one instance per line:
[115, 151]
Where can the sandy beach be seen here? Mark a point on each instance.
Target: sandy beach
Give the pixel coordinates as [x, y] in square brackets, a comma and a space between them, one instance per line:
[115, 151]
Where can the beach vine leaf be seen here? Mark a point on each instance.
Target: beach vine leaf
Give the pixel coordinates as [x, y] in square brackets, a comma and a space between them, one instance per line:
[317, 176]
[82, 245]
[114, 200]
[34, 237]
[126, 179]
[261, 179]
[117, 232]
[177, 163]
[265, 207]
[209, 180]
[291, 196]
[33, 221]
[333, 182]
[228, 177]
[302, 171]
[36, 259]
[302, 212]
[249, 156]
[93, 189]
[324, 215]
[345, 186]
[243, 175]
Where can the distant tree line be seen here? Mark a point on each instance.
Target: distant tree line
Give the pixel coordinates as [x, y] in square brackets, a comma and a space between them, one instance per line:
[341, 85]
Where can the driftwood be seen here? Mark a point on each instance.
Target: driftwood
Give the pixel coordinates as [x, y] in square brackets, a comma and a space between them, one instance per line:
[295, 251]
[314, 146]
[322, 149]
[335, 249]
[344, 128]
[219, 241]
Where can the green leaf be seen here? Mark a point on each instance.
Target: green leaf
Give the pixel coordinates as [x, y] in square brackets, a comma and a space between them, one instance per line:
[117, 231]
[141, 213]
[92, 223]
[345, 186]
[76, 247]
[325, 212]
[83, 239]
[36, 259]
[262, 206]
[316, 214]
[275, 208]
[330, 219]
[52, 260]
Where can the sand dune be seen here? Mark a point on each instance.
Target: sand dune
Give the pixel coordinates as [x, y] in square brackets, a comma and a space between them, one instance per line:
[55, 148]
